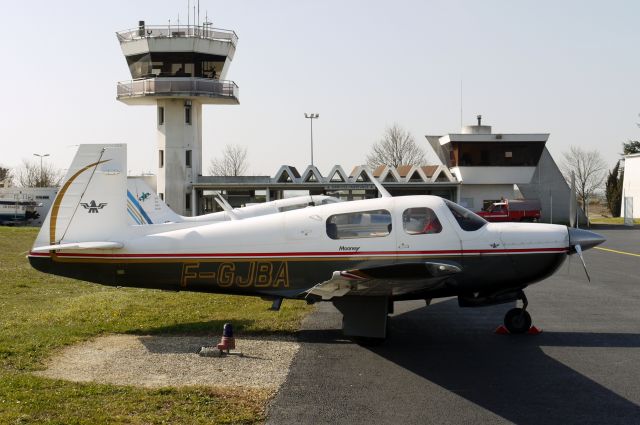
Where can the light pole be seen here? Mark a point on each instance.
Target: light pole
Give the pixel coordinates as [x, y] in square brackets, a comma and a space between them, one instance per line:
[311, 118]
[41, 156]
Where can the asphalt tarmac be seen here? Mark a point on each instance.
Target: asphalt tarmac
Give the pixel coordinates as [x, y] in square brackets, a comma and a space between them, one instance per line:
[445, 365]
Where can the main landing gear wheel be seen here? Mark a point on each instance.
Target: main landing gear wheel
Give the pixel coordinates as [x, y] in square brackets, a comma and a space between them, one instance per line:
[517, 321]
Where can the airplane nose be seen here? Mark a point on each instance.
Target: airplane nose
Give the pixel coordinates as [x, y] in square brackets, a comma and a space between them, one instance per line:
[584, 238]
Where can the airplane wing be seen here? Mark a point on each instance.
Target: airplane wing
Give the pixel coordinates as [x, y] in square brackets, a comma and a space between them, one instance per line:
[79, 245]
[396, 279]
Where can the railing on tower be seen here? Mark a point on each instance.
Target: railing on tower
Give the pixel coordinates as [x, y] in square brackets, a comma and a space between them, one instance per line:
[169, 86]
[165, 31]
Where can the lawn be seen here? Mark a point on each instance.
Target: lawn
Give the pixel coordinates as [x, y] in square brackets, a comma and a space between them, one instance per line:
[611, 220]
[41, 313]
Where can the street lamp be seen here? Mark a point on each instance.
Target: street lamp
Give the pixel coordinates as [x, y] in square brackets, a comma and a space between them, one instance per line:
[311, 118]
[41, 156]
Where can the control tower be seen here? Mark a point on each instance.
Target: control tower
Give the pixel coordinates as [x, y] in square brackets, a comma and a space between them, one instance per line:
[178, 69]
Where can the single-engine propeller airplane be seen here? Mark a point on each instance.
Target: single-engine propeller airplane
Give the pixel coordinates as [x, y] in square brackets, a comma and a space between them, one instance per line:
[360, 255]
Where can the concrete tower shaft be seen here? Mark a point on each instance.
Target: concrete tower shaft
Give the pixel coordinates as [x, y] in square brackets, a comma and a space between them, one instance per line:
[178, 69]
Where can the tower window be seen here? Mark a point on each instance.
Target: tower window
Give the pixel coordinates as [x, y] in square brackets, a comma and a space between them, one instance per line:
[161, 196]
[187, 203]
[187, 114]
[160, 158]
[187, 158]
[160, 115]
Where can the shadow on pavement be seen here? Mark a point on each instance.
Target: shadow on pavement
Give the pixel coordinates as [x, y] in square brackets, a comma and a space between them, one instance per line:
[509, 375]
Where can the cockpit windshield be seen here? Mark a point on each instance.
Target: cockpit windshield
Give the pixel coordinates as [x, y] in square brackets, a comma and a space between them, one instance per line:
[467, 220]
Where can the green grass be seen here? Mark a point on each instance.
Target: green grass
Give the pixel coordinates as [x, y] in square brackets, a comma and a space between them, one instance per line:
[611, 220]
[41, 313]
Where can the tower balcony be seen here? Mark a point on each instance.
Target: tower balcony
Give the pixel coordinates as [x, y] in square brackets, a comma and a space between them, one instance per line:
[205, 90]
[144, 32]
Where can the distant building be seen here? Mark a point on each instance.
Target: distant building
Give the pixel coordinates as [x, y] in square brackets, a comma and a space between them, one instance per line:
[631, 187]
[403, 180]
[42, 196]
[490, 166]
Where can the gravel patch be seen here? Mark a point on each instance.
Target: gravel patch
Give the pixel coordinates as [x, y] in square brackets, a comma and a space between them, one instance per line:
[160, 361]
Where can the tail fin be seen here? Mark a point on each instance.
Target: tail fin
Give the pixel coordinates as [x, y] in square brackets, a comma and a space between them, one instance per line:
[91, 204]
[144, 206]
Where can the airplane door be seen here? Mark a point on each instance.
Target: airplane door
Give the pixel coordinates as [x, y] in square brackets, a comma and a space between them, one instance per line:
[424, 233]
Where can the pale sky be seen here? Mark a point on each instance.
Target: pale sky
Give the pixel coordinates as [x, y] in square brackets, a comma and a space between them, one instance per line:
[568, 68]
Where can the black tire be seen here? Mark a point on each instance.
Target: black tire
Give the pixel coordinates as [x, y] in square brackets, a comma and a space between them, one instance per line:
[517, 321]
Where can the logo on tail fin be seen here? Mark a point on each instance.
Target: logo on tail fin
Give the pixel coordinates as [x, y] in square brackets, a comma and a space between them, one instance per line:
[93, 207]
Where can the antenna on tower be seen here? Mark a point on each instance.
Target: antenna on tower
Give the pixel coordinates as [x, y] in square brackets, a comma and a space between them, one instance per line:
[461, 122]
[188, 13]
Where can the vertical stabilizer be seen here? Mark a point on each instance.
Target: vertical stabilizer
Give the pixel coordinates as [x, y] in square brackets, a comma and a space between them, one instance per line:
[144, 206]
[91, 203]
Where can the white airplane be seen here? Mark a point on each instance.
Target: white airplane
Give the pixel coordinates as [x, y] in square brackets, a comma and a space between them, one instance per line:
[360, 255]
[144, 206]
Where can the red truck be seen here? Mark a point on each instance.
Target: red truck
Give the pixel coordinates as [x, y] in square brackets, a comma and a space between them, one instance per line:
[513, 210]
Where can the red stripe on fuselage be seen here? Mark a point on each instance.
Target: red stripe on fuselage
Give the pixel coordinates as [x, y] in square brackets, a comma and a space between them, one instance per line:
[306, 254]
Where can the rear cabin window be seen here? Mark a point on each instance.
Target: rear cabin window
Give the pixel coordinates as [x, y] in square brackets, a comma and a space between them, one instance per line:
[466, 219]
[362, 224]
[420, 221]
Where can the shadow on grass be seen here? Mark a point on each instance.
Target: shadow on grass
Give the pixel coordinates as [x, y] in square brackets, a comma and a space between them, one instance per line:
[210, 328]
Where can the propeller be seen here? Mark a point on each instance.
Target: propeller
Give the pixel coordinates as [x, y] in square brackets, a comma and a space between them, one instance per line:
[578, 249]
[580, 239]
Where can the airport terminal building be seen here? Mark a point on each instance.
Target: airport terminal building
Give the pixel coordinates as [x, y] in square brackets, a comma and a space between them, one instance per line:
[478, 167]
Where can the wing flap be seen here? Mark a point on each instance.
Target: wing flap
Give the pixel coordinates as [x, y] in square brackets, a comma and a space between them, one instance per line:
[390, 280]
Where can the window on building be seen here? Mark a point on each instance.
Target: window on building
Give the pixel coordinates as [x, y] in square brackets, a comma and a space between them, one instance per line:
[466, 219]
[467, 203]
[362, 224]
[161, 195]
[160, 115]
[187, 114]
[187, 201]
[420, 221]
[160, 158]
[187, 158]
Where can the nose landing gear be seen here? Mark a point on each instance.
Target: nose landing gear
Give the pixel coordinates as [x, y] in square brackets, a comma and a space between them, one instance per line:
[518, 320]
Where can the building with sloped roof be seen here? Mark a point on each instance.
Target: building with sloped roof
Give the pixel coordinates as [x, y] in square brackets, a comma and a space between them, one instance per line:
[402, 180]
[490, 166]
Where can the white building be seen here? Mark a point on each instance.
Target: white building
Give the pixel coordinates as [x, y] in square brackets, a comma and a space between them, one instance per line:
[178, 69]
[631, 186]
[42, 196]
[490, 166]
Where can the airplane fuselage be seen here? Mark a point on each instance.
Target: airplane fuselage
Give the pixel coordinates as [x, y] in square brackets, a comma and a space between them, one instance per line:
[287, 254]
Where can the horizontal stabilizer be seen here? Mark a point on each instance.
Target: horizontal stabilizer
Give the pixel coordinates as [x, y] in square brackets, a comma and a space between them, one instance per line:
[79, 245]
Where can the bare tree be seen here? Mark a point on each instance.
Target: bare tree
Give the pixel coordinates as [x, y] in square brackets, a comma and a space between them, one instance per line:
[232, 163]
[589, 168]
[397, 147]
[6, 176]
[30, 174]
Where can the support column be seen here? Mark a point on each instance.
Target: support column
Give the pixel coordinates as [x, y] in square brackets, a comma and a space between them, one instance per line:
[180, 140]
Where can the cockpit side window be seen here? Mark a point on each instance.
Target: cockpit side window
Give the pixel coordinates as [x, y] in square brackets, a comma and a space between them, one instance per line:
[467, 220]
[420, 221]
[362, 224]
